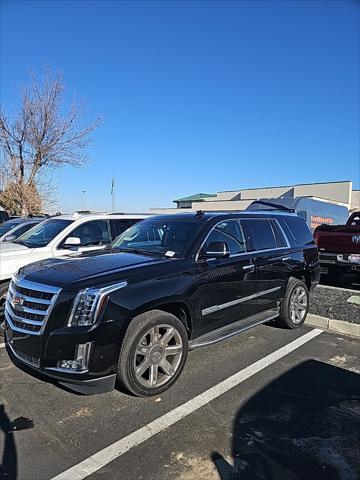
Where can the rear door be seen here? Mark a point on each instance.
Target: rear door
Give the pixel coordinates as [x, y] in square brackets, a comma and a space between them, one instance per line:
[272, 256]
[226, 287]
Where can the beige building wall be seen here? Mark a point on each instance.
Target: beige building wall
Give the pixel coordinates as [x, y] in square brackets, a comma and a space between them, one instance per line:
[221, 205]
[272, 192]
[355, 201]
[337, 191]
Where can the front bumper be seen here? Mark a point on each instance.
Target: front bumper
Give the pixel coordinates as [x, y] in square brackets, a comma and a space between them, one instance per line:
[39, 356]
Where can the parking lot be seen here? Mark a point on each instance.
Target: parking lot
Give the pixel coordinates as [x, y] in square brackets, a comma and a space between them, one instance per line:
[267, 404]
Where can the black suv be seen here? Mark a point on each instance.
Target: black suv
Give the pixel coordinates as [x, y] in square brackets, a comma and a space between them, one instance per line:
[168, 284]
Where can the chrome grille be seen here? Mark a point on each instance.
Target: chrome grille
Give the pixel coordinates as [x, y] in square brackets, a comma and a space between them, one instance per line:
[29, 304]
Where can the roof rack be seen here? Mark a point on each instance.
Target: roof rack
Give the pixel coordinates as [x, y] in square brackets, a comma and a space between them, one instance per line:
[273, 206]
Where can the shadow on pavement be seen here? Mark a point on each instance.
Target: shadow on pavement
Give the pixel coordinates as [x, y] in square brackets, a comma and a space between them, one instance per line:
[342, 280]
[303, 426]
[8, 466]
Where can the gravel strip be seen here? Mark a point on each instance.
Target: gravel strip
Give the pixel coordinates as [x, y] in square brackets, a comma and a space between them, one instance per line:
[333, 303]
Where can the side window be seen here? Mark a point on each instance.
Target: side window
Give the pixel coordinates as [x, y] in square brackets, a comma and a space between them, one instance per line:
[119, 226]
[279, 236]
[261, 233]
[93, 233]
[24, 229]
[230, 232]
[300, 231]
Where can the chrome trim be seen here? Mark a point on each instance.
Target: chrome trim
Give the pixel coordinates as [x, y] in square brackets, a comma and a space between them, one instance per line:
[283, 232]
[12, 314]
[10, 309]
[29, 299]
[249, 267]
[216, 308]
[66, 370]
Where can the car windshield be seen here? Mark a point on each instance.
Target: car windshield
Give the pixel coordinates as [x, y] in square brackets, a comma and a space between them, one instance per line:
[7, 227]
[158, 237]
[43, 233]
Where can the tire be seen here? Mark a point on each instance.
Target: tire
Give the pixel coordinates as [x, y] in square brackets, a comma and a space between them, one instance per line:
[295, 306]
[144, 368]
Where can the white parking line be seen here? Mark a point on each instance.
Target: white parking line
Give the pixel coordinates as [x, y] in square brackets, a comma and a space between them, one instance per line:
[110, 453]
[2, 345]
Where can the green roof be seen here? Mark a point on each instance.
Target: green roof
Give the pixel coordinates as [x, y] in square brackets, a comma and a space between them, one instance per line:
[194, 198]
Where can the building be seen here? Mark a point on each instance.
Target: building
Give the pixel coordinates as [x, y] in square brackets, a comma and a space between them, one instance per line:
[335, 192]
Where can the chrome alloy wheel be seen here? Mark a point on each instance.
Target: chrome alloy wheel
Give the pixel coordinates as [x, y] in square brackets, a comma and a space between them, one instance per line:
[298, 305]
[158, 356]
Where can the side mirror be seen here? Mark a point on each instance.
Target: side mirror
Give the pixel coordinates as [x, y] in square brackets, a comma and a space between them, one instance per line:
[72, 242]
[216, 250]
[9, 238]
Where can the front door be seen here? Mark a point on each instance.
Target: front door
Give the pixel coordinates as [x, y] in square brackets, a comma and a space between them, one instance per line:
[226, 287]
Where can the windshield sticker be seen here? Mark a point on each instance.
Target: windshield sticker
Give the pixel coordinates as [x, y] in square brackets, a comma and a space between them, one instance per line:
[169, 253]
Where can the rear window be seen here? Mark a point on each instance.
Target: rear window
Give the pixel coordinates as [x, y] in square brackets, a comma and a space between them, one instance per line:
[299, 230]
[262, 234]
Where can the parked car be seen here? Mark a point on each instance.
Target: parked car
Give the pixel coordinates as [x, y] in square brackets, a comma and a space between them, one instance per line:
[166, 285]
[315, 211]
[4, 216]
[59, 236]
[339, 247]
[12, 229]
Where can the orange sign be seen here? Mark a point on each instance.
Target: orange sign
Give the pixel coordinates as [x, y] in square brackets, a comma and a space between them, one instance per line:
[318, 220]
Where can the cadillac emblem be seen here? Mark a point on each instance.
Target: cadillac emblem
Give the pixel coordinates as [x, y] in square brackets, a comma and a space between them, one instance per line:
[17, 302]
[356, 238]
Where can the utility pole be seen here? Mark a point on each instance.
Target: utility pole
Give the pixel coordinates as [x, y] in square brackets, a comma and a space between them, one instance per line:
[83, 200]
[113, 194]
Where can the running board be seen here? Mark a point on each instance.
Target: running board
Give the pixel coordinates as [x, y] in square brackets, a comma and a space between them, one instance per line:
[233, 329]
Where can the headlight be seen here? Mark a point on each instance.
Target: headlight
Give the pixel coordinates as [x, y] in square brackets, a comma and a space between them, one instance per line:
[89, 304]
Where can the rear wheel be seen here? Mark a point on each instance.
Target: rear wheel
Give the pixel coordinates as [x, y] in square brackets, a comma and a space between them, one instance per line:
[153, 353]
[295, 305]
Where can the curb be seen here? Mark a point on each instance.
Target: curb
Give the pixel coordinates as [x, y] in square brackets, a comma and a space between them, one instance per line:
[337, 326]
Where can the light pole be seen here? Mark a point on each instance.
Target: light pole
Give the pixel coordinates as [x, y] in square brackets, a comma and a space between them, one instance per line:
[83, 200]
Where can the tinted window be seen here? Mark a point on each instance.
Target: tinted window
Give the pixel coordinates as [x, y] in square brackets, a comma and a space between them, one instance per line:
[93, 233]
[6, 227]
[261, 233]
[119, 226]
[229, 232]
[299, 230]
[24, 228]
[279, 236]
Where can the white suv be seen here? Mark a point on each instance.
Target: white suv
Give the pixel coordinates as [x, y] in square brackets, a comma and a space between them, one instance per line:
[58, 236]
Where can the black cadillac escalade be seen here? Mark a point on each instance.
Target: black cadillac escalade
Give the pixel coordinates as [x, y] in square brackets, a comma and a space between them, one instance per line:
[167, 285]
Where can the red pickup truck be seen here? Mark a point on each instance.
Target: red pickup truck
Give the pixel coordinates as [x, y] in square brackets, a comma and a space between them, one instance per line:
[339, 247]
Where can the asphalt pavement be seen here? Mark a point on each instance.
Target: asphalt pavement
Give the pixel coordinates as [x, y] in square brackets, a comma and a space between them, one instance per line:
[267, 404]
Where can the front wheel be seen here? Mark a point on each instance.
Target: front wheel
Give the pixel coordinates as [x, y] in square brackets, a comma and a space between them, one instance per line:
[153, 353]
[294, 308]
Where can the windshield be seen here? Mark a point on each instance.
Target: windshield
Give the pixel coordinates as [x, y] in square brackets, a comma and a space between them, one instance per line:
[170, 238]
[6, 227]
[43, 233]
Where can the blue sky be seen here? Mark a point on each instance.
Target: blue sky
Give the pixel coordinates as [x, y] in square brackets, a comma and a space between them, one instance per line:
[199, 96]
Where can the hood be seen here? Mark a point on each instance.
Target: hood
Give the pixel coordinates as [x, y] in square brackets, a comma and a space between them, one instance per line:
[8, 248]
[89, 268]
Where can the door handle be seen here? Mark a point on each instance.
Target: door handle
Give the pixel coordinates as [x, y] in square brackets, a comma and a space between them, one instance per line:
[249, 268]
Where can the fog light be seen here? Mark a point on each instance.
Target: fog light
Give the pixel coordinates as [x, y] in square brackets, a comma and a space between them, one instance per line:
[81, 360]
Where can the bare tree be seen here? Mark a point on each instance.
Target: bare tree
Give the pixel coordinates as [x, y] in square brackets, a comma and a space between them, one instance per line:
[41, 136]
